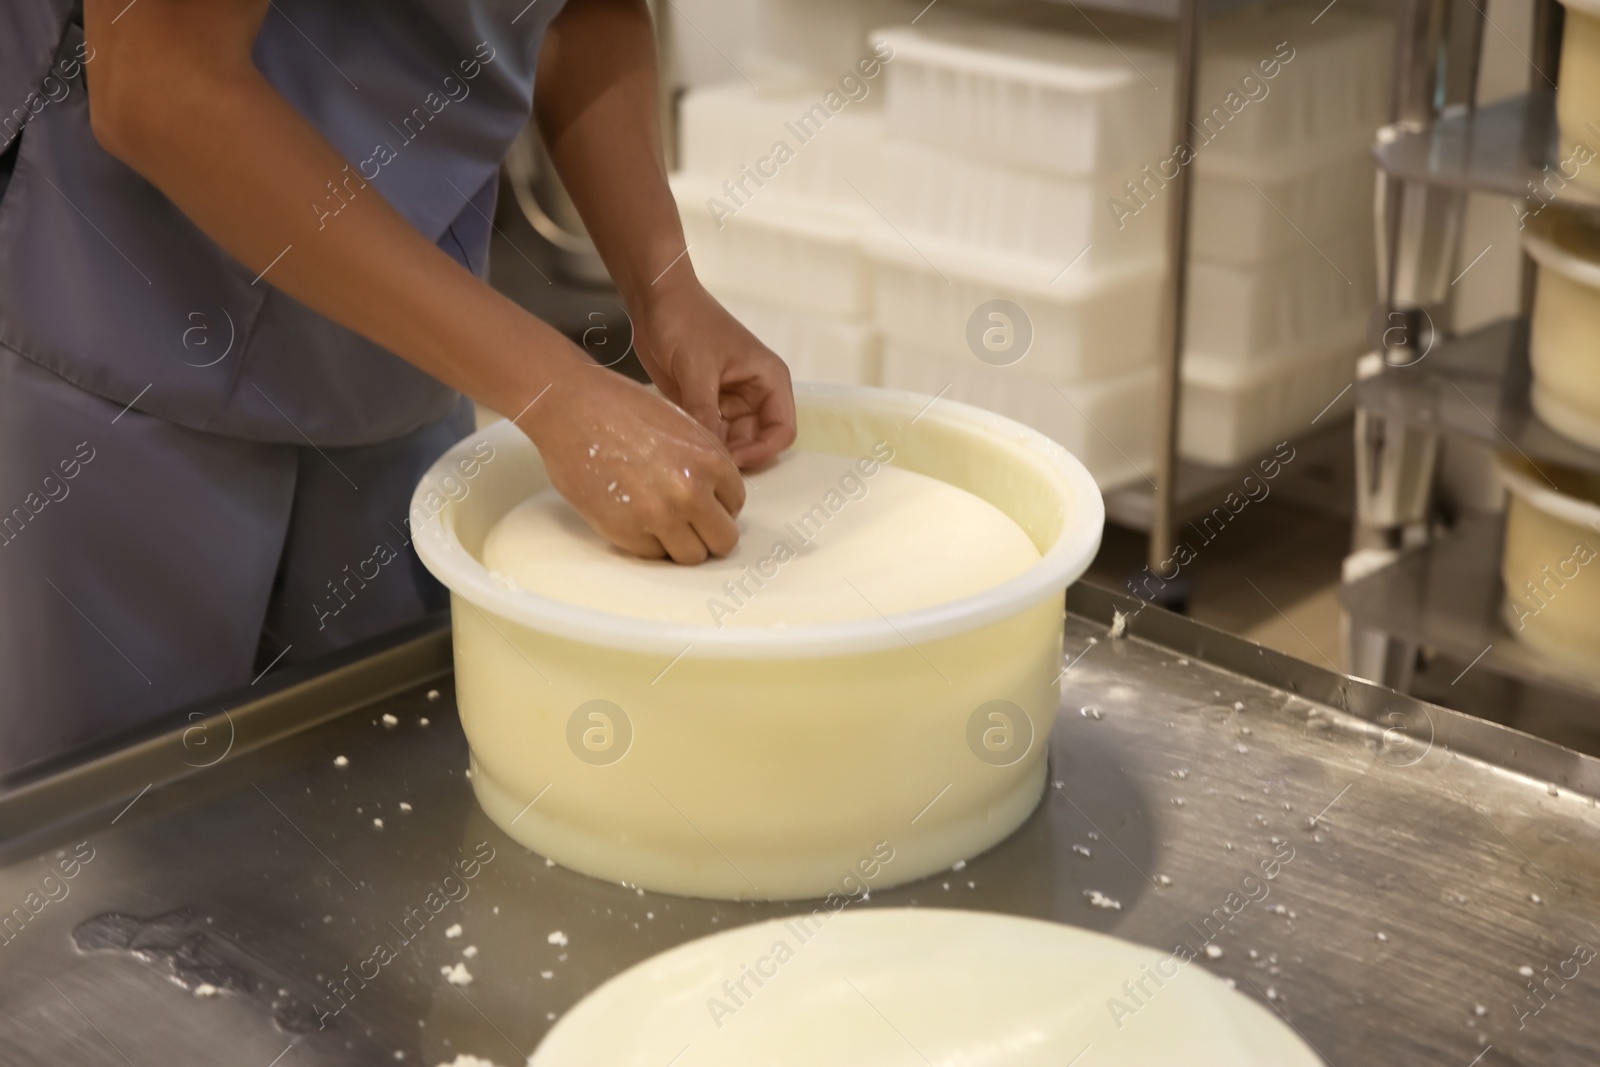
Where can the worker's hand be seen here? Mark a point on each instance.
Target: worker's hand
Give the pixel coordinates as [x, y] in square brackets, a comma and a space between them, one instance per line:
[642, 473]
[704, 360]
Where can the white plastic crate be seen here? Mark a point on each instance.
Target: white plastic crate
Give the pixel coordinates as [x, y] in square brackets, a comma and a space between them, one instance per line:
[1246, 212]
[1233, 411]
[1087, 324]
[797, 253]
[817, 348]
[1060, 102]
[1109, 424]
[1336, 83]
[1293, 304]
[732, 133]
[929, 190]
[817, 41]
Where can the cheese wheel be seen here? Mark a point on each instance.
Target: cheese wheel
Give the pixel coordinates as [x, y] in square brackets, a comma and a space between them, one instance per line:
[822, 538]
[891, 987]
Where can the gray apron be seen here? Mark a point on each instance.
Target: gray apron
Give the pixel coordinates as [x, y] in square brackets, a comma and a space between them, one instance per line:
[231, 452]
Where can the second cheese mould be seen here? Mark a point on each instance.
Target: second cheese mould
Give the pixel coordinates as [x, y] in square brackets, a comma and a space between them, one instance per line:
[1566, 323]
[1578, 95]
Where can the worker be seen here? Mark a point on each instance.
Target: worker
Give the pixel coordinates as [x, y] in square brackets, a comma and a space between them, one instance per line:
[243, 246]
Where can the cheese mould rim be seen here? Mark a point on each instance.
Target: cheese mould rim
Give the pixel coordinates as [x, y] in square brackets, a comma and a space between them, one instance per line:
[1034, 480]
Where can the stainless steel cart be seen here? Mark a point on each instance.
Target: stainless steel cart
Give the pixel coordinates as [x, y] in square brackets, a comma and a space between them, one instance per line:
[228, 873]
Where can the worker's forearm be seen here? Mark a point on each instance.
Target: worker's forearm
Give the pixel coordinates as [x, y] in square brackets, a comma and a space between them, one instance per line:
[247, 168]
[597, 102]
[175, 94]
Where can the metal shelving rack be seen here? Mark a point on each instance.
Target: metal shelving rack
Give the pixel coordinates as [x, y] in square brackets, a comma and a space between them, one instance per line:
[1176, 485]
[1439, 588]
[1162, 513]
[1500, 148]
[1181, 489]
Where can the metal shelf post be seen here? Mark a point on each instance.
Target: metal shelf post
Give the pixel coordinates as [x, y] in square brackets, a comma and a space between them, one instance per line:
[1169, 396]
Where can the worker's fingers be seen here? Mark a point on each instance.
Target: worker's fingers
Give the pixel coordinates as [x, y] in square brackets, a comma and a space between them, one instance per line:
[698, 389]
[773, 415]
[727, 486]
[677, 534]
[716, 529]
[635, 540]
[741, 429]
[743, 440]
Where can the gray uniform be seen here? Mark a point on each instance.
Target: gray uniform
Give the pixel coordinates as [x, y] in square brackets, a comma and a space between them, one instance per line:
[197, 472]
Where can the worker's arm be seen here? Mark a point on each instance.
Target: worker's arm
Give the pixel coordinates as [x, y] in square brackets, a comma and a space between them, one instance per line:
[175, 95]
[597, 107]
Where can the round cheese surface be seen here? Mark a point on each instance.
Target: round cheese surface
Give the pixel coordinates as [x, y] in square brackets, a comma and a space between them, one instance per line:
[822, 538]
[894, 987]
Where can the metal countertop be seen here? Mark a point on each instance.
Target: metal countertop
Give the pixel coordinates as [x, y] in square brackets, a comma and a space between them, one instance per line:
[1433, 855]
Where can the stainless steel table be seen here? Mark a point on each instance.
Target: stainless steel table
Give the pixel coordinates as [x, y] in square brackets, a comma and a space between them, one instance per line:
[226, 869]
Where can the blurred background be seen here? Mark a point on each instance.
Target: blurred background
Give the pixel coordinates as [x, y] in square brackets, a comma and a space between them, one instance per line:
[984, 201]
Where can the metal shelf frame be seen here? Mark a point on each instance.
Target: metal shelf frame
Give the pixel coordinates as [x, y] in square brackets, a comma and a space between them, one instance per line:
[1163, 513]
[1439, 147]
[1443, 597]
[1169, 396]
[1178, 489]
[1475, 386]
[1509, 147]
